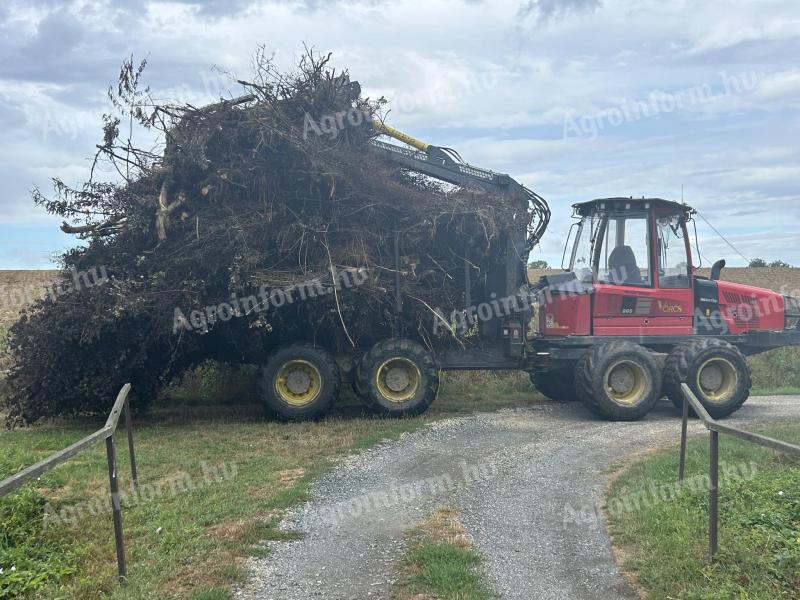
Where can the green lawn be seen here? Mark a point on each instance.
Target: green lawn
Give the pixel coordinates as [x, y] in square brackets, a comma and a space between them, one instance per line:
[662, 530]
[189, 531]
[215, 478]
[440, 563]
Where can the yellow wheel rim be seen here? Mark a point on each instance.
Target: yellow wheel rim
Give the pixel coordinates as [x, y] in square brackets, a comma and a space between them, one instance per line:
[398, 379]
[717, 379]
[298, 383]
[625, 382]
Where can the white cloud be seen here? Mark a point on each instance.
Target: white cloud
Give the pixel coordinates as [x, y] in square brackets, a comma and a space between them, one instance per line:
[475, 75]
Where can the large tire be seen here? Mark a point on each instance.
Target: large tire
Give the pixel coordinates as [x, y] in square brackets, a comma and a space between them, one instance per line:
[716, 371]
[399, 376]
[300, 382]
[620, 381]
[558, 385]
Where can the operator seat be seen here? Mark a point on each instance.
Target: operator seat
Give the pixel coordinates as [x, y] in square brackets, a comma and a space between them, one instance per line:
[622, 267]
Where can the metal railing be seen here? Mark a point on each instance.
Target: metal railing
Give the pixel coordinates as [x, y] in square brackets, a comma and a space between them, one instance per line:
[121, 405]
[714, 429]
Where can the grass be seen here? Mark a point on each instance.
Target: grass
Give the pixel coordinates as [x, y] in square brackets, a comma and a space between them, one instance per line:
[661, 530]
[215, 478]
[776, 372]
[192, 543]
[440, 562]
[775, 391]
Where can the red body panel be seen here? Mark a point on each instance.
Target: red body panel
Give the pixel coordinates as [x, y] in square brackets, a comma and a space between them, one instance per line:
[634, 310]
[566, 314]
[746, 308]
[639, 310]
[615, 310]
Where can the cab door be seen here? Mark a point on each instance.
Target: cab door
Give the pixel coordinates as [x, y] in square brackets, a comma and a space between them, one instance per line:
[643, 283]
[673, 310]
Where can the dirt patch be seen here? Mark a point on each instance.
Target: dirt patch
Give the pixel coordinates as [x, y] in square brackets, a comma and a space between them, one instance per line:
[442, 527]
[289, 476]
[229, 531]
[203, 574]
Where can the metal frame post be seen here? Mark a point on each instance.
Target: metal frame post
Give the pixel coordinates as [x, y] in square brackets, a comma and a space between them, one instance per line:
[115, 506]
[131, 452]
[713, 493]
[32, 472]
[684, 425]
[714, 429]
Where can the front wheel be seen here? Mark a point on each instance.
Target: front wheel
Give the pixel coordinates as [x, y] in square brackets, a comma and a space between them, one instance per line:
[716, 371]
[300, 382]
[399, 376]
[620, 381]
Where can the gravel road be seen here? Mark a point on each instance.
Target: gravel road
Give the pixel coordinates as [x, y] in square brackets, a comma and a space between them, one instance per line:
[527, 481]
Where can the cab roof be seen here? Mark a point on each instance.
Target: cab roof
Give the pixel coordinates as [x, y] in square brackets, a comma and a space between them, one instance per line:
[634, 204]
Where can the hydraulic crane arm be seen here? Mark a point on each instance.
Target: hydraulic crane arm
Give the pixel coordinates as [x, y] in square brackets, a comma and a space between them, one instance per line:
[446, 165]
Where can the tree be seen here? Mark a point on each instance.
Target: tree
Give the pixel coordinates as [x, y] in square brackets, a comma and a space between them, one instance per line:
[539, 264]
[757, 263]
[780, 264]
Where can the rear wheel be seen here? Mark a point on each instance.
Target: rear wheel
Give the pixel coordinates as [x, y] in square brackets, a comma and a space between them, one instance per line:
[399, 377]
[716, 371]
[300, 382]
[558, 384]
[620, 381]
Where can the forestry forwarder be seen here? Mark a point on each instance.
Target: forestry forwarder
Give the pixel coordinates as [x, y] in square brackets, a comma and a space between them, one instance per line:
[597, 333]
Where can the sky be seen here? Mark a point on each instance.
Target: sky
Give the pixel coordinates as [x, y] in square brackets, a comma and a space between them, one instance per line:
[577, 99]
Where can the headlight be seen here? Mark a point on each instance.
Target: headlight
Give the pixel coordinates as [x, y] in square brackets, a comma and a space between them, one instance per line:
[791, 312]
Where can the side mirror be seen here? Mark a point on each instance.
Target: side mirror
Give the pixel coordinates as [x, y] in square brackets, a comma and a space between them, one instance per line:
[716, 269]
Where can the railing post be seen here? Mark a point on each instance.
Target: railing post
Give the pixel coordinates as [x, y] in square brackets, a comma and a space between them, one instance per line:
[115, 506]
[713, 493]
[684, 425]
[131, 453]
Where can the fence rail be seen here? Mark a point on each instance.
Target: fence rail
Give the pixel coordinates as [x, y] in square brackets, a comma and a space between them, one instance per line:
[121, 406]
[714, 429]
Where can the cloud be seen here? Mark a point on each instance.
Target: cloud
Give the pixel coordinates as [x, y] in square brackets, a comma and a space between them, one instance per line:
[492, 78]
[779, 89]
[546, 10]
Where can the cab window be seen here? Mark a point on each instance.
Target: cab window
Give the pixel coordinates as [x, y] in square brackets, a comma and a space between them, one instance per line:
[581, 260]
[673, 262]
[624, 257]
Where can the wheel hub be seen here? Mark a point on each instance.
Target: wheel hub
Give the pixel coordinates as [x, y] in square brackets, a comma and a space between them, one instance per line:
[298, 382]
[626, 382]
[711, 378]
[717, 379]
[397, 379]
[622, 380]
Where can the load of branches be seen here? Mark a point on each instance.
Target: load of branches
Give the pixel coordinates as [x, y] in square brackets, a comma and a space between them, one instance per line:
[256, 221]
